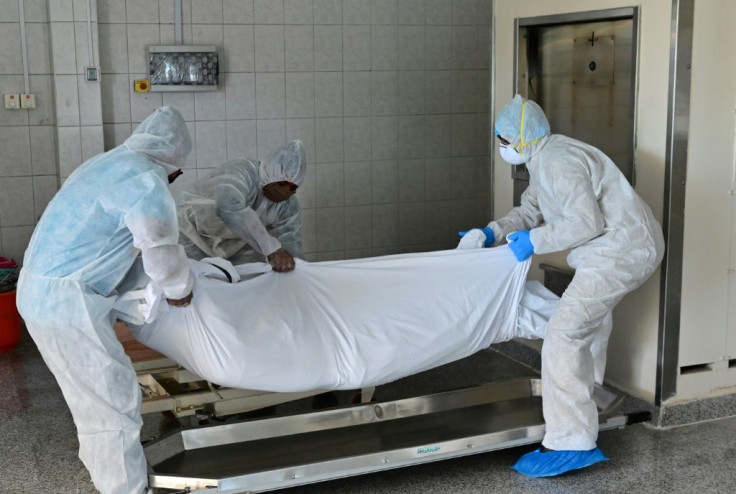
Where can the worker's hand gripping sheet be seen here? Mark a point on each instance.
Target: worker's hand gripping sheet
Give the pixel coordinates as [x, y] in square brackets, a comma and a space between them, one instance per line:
[343, 324]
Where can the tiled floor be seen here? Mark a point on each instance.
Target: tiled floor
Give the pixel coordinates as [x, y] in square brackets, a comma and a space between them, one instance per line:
[38, 444]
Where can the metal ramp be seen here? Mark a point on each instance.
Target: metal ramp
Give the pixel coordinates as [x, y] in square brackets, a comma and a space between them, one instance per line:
[275, 453]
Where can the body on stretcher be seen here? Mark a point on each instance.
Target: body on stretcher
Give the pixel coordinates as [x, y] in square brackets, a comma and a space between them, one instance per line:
[166, 386]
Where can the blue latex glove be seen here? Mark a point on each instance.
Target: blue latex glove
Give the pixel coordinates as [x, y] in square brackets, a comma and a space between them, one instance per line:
[521, 245]
[490, 236]
[552, 463]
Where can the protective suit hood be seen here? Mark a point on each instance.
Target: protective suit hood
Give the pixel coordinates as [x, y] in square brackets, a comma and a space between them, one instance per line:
[524, 124]
[163, 136]
[287, 163]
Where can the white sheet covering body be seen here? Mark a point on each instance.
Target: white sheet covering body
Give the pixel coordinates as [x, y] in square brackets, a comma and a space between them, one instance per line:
[343, 324]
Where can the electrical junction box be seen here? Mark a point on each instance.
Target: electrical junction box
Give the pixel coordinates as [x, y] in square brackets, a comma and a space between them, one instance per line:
[12, 102]
[28, 101]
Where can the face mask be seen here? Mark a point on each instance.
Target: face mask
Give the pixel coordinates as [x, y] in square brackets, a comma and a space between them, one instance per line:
[511, 156]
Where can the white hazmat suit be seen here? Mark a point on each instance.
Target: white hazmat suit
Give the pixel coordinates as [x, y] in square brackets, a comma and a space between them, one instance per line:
[577, 199]
[227, 214]
[112, 208]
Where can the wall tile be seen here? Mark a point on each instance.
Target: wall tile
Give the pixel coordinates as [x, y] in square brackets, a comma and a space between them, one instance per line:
[464, 135]
[303, 128]
[384, 47]
[12, 84]
[62, 37]
[93, 141]
[37, 43]
[464, 47]
[309, 232]
[142, 104]
[412, 179]
[385, 225]
[239, 48]
[357, 138]
[439, 12]
[462, 177]
[43, 150]
[207, 12]
[15, 159]
[269, 48]
[438, 176]
[465, 12]
[81, 38]
[358, 183]
[384, 182]
[115, 98]
[411, 12]
[438, 87]
[411, 223]
[356, 48]
[411, 137]
[464, 91]
[299, 46]
[140, 36]
[41, 86]
[61, 10]
[210, 105]
[115, 134]
[358, 227]
[306, 192]
[238, 11]
[384, 11]
[268, 11]
[411, 92]
[356, 12]
[327, 48]
[438, 135]
[207, 34]
[270, 95]
[329, 184]
[141, 11]
[298, 12]
[357, 89]
[439, 47]
[113, 59]
[44, 188]
[70, 149]
[327, 11]
[330, 229]
[328, 94]
[411, 47]
[384, 93]
[242, 139]
[90, 112]
[211, 144]
[184, 102]
[67, 100]
[384, 133]
[300, 94]
[329, 139]
[271, 134]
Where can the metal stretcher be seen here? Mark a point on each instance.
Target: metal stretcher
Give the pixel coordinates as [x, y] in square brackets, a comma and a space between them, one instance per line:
[284, 451]
[168, 387]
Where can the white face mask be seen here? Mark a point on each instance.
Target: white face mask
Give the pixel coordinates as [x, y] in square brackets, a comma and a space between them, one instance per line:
[511, 156]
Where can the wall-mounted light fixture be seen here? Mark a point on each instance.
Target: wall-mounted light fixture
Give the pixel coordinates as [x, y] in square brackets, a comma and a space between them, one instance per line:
[183, 68]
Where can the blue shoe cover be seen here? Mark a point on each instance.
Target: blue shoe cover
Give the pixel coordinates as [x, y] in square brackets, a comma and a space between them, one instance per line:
[551, 463]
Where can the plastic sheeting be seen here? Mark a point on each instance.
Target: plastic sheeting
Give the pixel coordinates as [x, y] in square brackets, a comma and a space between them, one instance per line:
[346, 324]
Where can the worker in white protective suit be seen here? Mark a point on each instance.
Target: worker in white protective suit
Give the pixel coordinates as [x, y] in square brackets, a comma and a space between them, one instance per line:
[112, 208]
[577, 199]
[246, 210]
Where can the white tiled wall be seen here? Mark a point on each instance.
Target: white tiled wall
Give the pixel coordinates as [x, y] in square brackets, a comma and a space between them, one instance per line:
[28, 161]
[389, 96]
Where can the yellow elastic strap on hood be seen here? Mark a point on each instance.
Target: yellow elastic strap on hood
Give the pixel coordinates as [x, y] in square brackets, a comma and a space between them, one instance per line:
[520, 147]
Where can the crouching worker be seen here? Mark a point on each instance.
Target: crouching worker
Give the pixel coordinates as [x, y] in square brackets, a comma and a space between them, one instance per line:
[246, 211]
[112, 208]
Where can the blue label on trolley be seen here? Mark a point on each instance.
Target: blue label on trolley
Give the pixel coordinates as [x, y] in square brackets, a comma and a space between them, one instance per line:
[429, 450]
